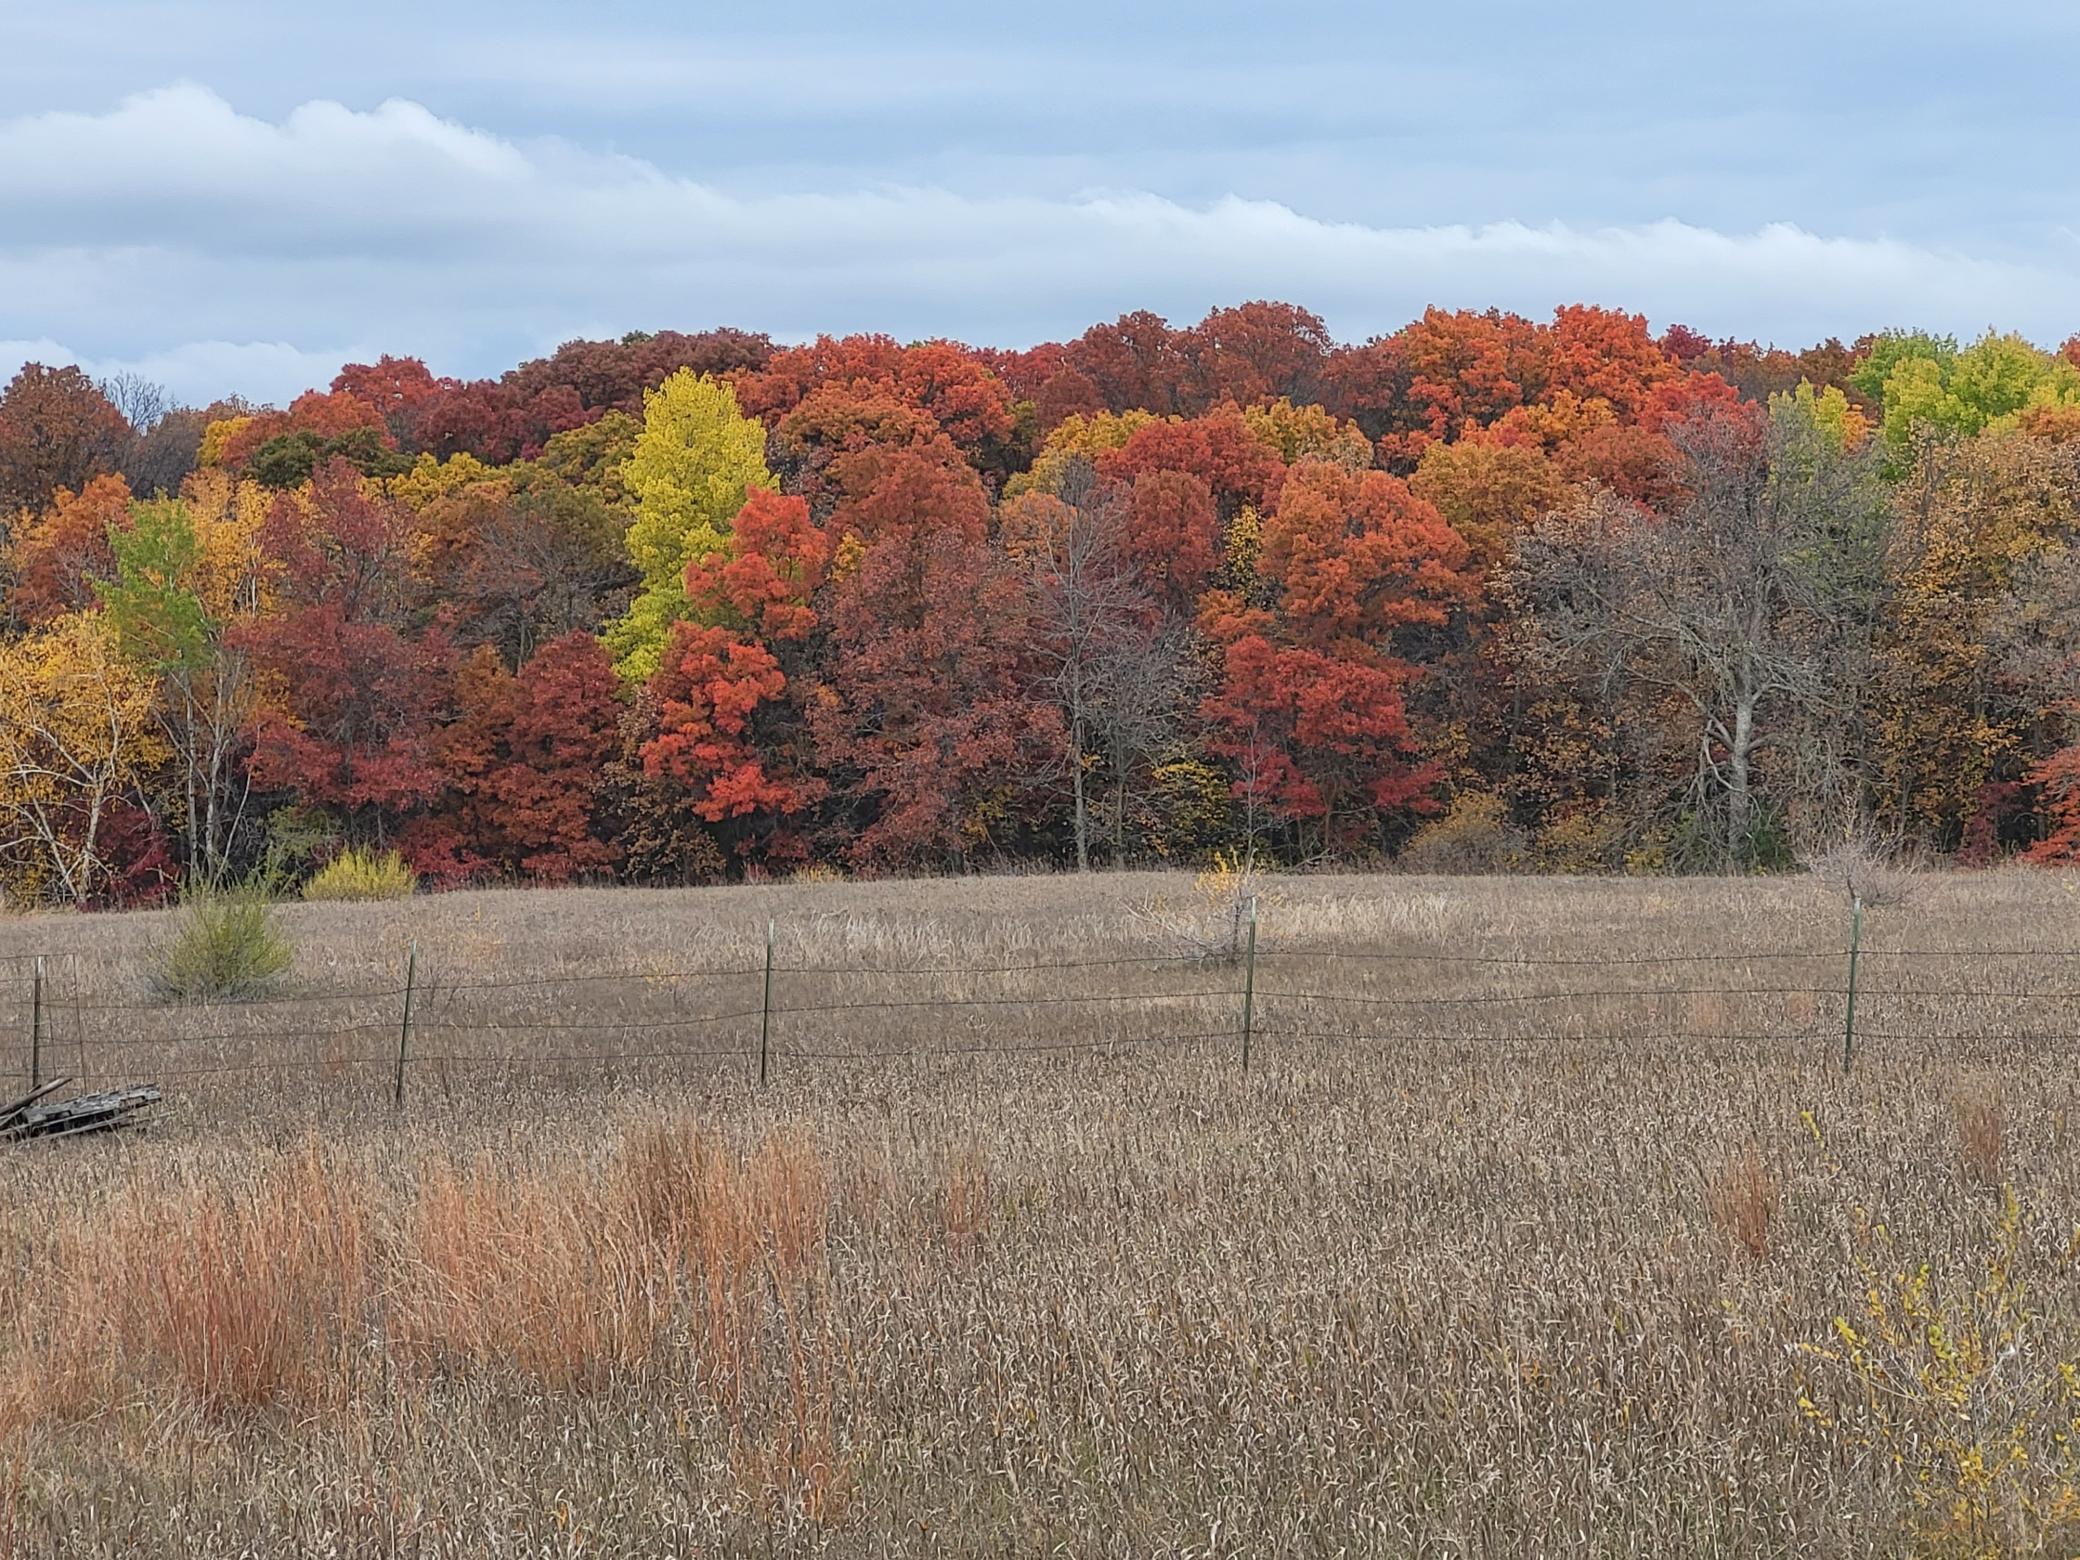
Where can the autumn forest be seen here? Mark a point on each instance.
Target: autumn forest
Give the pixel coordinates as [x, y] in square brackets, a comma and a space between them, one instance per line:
[1486, 594]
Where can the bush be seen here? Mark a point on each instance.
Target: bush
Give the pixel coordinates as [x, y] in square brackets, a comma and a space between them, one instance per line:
[224, 944]
[1474, 835]
[363, 874]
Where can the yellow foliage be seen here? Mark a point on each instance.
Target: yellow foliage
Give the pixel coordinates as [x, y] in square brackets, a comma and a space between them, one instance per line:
[1296, 432]
[1942, 1387]
[76, 732]
[430, 479]
[226, 516]
[359, 874]
[1088, 436]
[1977, 513]
[215, 437]
[693, 464]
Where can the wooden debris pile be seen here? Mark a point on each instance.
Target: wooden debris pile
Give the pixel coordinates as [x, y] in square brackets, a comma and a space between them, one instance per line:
[36, 1115]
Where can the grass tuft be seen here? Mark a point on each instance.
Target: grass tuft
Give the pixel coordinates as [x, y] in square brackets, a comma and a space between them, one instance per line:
[358, 874]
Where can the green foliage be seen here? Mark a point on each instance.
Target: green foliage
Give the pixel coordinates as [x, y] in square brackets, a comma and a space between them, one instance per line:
[285, 461]
[360, 874]
[1927, 383]
[1890, 349]
[224, 945]
[160, 622]
[693, 464]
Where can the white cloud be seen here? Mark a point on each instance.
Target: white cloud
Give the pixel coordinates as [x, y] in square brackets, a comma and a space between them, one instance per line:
[223, 251]
[198, 372]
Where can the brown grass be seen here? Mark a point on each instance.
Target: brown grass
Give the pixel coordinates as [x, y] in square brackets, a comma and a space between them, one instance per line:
[1982, 1120]
[1743, 1198]
[1434, 1277]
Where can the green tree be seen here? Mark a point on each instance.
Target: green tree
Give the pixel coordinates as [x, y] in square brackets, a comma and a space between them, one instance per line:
[694, 462]
[180, 579]
[1924, 382]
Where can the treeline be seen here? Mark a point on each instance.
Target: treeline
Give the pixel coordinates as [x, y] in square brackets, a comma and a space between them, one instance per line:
[1486, 593]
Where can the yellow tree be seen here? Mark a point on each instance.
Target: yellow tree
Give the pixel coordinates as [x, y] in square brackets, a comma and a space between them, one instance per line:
[694, 462]
[1953, 736]
[76, 733]
[1295, 432]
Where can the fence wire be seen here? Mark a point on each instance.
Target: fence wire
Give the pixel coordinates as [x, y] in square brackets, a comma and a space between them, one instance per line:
[760, 1017]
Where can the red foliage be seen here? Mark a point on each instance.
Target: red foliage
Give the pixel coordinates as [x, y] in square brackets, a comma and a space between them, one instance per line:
[718, 696]
[1316, 735]
[926, 488]
[1219, 449]
[522, 764]
[1255, 352]
[57, 430]
[1367, 384]
[354, 726]
[1355, 555]
[340, 547]
[1604, 353]
[1134, 363]
[943, 380]
[1462, 369]
[396, 387]
[1173, 534]
[477, 419]
[775, 564]
[2057, 778]
[927, 713]
[59, 554]
[322, 414]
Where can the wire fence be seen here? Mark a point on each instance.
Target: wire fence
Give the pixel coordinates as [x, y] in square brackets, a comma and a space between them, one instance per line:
[772, 1018]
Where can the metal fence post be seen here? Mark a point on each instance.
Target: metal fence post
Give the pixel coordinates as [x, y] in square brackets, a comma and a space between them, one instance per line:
[404, 1033]
[765, 1011]
[36, 1024]
[1855, 951]
[1249, 984]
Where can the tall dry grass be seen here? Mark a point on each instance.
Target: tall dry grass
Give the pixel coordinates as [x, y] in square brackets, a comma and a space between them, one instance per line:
[1529, 1258]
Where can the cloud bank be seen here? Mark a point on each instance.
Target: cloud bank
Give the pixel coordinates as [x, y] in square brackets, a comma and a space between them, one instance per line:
[219, 251]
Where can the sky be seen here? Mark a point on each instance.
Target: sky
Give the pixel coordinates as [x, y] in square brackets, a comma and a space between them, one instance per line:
[229, 196]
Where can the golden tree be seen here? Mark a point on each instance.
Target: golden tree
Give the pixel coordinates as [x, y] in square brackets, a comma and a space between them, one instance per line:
[76, 733]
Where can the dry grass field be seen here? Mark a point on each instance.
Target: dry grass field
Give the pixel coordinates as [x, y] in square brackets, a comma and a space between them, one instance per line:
[1544, 1221]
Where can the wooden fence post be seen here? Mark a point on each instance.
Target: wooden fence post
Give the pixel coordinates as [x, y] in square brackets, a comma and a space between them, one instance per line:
[765, 1011]
[1249, 984]
[1855, 952]
[404, 1033]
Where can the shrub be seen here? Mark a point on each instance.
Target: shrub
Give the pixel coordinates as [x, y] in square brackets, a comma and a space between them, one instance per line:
[224, 944]
[1474, 835]
[356, 873]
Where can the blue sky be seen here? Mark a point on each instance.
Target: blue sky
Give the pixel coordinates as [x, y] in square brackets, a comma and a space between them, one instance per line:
[235, 196]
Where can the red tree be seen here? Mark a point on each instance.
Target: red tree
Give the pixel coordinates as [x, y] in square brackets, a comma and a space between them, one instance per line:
[1219, 449]
[928, 721]
[351, 722]
[1173, 535]
[522, 763]
[1256, 352]
[60, 553]
[57, 430]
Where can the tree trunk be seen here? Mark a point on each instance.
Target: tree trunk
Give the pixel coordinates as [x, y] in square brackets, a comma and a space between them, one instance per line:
[1739, 801]
[1083, 828]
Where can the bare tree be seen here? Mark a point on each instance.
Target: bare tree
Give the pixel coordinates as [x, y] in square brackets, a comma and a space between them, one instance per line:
[1088, 612]
[1146, 683]
[160, 457]
[142, 401]
[1751, 604]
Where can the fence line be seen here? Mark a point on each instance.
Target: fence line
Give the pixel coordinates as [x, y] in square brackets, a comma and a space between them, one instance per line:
[299, 1030]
